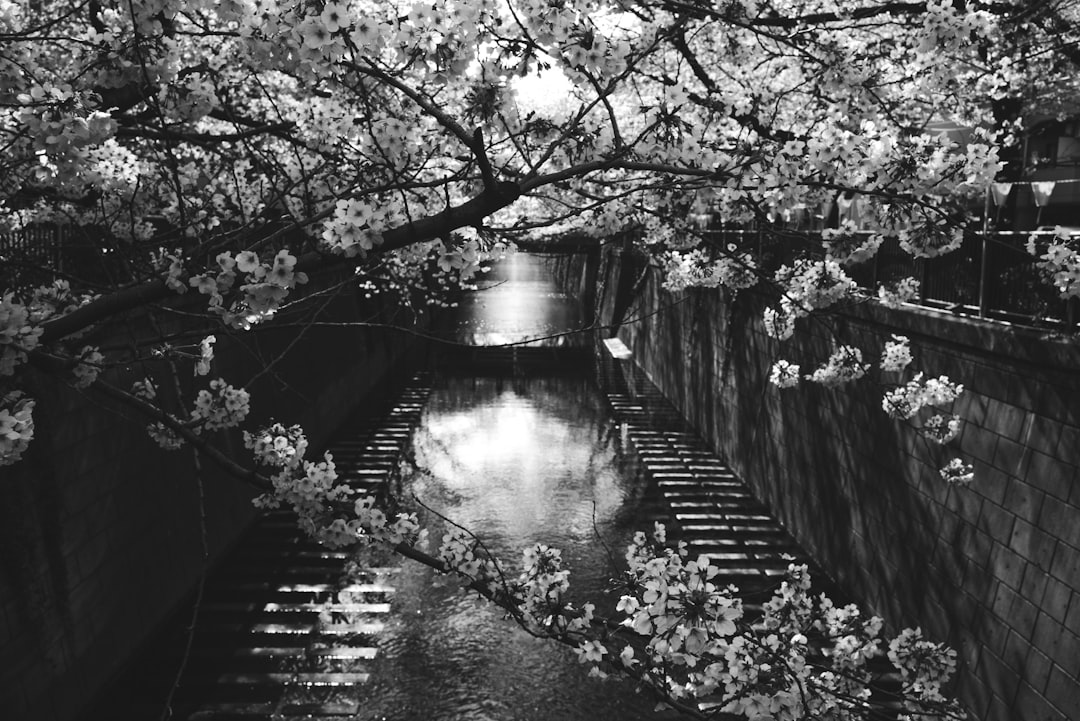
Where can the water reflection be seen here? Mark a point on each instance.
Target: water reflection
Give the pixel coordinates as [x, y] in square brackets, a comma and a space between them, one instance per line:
[517, 462]
[517, 300]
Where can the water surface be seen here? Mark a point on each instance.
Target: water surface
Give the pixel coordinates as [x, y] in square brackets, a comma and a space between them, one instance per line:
[517, 461]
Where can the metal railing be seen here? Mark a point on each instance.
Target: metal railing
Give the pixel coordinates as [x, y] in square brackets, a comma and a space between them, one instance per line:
[990, 276]
[31, 256]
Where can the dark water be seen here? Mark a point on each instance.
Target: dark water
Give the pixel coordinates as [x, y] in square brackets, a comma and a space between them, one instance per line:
[516, 460]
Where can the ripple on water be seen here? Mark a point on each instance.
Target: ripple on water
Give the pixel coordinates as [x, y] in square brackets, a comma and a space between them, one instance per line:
[521, 463]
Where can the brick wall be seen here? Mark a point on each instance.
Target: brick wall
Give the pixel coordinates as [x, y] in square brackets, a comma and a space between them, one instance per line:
[994, 568]
[99, 529]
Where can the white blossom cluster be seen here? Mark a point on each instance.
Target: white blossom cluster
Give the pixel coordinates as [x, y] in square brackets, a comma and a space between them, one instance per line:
[276, 445]
[924, 666]
[166, 438]
[17, 334]
[897, 354]
[844, 365]
[698, 645]
[847, 246]
[543, 581]
[941, 429]
[460, 553]
[20, 333]
[355, 228]
[805, 658]
[144, 389]
[930, 241]
[88, 367]
[1061, 261]
[957, 472]
[808, 285]
[694, 269]
[812, 285]
[16, 426]
[206, 355]
[63, 125]
[896, 294]
[324, 505]
[784, 374]
[779, 322]
[263, 286]
[54, 300]
[171, 267]
[464, 260]
[223, 406]
[907, 400]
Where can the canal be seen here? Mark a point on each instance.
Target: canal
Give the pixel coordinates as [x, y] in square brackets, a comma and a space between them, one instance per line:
[516, 444]
[523, 450]
[546, 441]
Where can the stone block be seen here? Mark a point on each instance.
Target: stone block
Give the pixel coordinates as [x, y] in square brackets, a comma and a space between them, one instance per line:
[1066, 563]
[1023, 499]
[1002, 680]
[1057, 598]
[991, 482]
[1007, 566]
[1031, 705]
[976, 549]
[996, 522]
[1016, 650]
[1037, 670]
[1032, 543]
[1011, 457]
[1063, 690]
[1003, 600]
[1000, 708]
[1033, 586]
[978, 581]
[1052, 475]
[1042, 434]
[1068, 445]
[1005, 419]
[1061, 520]
[1022, 616]
[974, 693]
[1057, 642]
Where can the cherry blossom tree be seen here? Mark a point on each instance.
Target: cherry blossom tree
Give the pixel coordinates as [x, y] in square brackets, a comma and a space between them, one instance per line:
[230, 150]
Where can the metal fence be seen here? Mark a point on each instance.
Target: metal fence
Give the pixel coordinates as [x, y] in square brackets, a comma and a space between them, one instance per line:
[990, 276]
[31, 256]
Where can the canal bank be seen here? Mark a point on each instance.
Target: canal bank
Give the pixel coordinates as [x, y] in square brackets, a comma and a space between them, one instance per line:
[993, 568]
[101, 530]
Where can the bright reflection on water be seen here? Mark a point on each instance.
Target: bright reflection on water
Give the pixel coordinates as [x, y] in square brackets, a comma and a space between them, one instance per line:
[516, 301]
[517, 461]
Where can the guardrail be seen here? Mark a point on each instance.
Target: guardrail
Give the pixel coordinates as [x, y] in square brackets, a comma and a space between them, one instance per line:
[31, 256]
[990, 276]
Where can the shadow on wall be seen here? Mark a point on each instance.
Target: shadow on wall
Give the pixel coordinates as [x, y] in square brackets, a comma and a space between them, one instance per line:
[100, 535]
[990, 567]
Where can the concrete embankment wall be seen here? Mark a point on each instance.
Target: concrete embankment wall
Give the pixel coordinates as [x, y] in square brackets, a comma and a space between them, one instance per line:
[100, 529]
[994, 568]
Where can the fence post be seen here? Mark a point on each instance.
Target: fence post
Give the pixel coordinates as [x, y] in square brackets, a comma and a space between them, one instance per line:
[984, 271]
[984, 260]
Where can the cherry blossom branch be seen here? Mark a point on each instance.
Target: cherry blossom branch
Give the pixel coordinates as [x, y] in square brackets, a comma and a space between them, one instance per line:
[251, 477]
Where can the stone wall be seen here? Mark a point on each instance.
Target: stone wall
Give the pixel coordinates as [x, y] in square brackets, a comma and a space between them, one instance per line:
[99, 529]
[993, 568]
